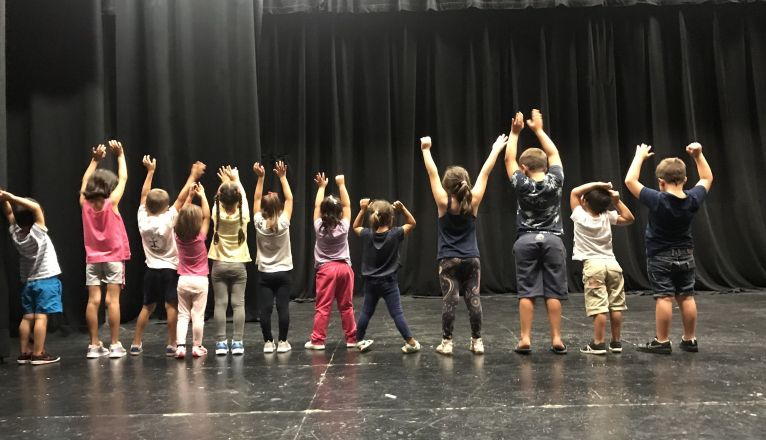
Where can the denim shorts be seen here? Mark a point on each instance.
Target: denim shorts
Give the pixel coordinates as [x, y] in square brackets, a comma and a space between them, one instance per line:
[672, 272]
[42, 296]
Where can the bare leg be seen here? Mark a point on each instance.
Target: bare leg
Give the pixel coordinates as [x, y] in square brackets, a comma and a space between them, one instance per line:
[688, 315]
[143, 318]
[171, 310]
[91, 313]
[615, 321]
[113, 305]
[553, 306]
[526, 313]
[599, 328]
[663, 315]
[41, 327]
[25, 329]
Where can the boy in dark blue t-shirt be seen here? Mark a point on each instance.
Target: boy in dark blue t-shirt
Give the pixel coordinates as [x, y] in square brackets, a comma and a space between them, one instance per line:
[669, 242]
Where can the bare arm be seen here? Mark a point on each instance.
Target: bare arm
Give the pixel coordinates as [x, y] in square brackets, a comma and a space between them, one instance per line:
[281, 171]
[345, 200]
[480, 187]
[359, 220]
[512, 147]
[10, 199]
[151, 167]
[97, 153]
[122, 172]
[233, 174]
[624, 216]
[703, 168]
[440, 195]
[536, 124]
[321, 182]
[200, 191]
[197, 170]
[409, 220]
[577, 193]
[634, 172]
[260, 172]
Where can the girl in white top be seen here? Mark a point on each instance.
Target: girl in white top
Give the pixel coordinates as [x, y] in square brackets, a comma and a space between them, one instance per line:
[274, 258]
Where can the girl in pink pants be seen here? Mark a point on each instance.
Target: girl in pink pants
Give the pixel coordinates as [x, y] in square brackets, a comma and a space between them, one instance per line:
[335, 278]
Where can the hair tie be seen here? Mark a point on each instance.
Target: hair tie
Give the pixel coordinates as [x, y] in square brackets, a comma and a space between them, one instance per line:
[376, 212]
[463, 182]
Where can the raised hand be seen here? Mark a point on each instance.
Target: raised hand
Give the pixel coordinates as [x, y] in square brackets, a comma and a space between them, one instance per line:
[98, 153]
[198, 169]
[233, 173]
[694, 149]
[363, 203]
[643, 151]
[5, 195]
[399, 206]
[425, 143]
[116, 147]
[340, 179]
[198, 189]
[259, 170]
[500, 142]
[223, 175]
[320, 180]
[536, 121]
[150, 163]
[280, 169]
[517, 124]
[614, 195]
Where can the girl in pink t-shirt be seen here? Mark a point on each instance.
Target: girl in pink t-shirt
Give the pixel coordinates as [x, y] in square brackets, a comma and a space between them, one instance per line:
[106, 245]
[191, 230]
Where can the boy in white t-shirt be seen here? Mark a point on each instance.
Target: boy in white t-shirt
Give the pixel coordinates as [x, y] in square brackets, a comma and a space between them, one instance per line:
[155, 223]
[39, 270]
[601, 274]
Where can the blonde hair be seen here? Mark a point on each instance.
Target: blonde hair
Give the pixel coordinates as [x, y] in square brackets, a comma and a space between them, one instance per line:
[381, 214]
[189, 222]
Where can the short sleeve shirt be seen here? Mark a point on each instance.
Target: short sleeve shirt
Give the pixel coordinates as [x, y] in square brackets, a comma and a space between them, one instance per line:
[157, 238]
[38, 258]
[539, 203]
[593, 235]
[332, 244]
[380, 251]
[192, 256]
[273, 244]
[670, 218]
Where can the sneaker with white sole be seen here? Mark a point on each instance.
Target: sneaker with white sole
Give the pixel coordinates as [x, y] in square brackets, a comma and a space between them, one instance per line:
[615, 347]
[283, 347]
[170, 351]
[180, 352]
[364, 345]
[24, 358]
[690, 345]
[477, 346]
[44, 358]
[135, 350]
[352, 344]
[221, 348]
[199, 351]
[117, 351]
[312, 346]
[237, 347]
[445, 347]
[96, 351]
[593, 348]
[407, 348]
[268, 347]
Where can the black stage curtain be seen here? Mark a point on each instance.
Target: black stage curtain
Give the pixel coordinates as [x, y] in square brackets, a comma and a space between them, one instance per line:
[5, 291]
[352, 94]
[371, 6]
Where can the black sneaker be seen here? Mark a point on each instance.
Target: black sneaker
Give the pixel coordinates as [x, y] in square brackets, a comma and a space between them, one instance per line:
[615, 346]
[655, 347]
[593, 348]
[690, 345]
[24, 358]
[44, 358]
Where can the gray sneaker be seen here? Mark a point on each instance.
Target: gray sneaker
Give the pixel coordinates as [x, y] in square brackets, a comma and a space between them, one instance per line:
[407, 348]
[96, 351]
[117, 351]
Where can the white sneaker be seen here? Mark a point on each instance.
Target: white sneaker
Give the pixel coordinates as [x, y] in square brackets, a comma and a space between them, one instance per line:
[445, 347]
[364, 345]
[199, 351]
[407, 348]
[477, 346]
[311, 346]
[117, 351]
[283, 347]
[268, 347]
[352, 344]
[180, 352]
[96, 351]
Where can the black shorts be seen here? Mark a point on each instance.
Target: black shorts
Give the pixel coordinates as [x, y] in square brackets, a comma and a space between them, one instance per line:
[160, 285]
[541, 266]
[672, 272]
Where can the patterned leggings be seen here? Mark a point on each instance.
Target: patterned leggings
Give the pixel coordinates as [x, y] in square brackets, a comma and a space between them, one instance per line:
[456, 276]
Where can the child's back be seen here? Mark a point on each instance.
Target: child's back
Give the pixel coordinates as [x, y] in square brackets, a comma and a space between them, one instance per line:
[104, 234]
[157, 238]
[380, 251]
[670, 218]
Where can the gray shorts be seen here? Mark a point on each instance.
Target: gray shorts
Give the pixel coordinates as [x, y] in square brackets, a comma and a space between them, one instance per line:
[107, 273]
[541, 266]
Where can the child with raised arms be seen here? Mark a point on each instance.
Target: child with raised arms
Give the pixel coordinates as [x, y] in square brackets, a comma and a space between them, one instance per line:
[106, 245]
[457, 203]
[39, 270]
[155, 224]
[334, 275]
[274, 258]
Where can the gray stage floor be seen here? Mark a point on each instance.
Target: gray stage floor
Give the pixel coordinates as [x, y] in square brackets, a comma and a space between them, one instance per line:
[341, 394]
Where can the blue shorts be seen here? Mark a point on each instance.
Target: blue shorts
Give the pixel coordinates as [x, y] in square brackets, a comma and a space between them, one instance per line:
[42, 296]
[672, 272]
[541, 266]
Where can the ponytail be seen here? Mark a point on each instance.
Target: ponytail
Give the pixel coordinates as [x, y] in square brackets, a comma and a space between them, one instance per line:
[375, 220]
[217, 217]
[464, 197]
[241, 233]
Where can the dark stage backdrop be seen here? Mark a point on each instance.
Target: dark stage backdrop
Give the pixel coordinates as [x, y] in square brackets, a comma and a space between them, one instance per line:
[218, 82]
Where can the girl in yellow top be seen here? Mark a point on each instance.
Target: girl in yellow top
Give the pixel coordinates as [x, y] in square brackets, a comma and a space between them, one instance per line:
[229, 253]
